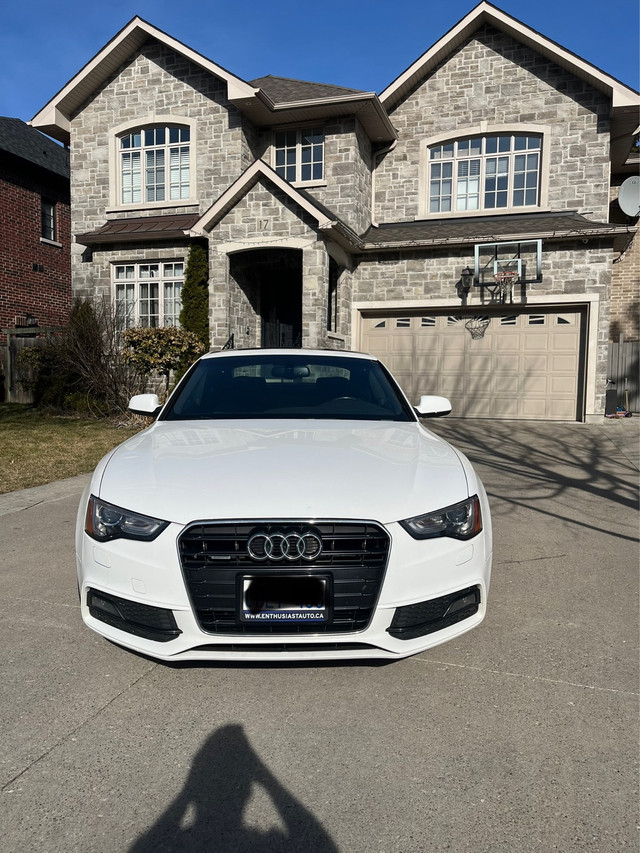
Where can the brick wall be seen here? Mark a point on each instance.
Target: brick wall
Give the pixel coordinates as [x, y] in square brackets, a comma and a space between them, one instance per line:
[35, 276]
[625, 277]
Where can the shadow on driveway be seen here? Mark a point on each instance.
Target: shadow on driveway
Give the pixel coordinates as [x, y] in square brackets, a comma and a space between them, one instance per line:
[208, 814]
[554, 469]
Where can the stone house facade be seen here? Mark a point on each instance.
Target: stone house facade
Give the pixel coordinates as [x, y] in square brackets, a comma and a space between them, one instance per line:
[457, 224]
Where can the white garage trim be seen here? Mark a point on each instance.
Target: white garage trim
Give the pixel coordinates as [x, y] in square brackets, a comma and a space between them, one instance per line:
[588, 304]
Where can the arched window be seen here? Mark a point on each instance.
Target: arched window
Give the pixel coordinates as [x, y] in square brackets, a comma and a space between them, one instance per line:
[154, 163]
[493, 172]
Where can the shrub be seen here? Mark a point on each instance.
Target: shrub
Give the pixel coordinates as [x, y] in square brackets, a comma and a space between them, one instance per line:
[161, 350]
[82, 368]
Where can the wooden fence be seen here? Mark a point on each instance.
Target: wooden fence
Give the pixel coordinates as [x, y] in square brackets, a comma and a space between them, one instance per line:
[17, 373]
[622, 370]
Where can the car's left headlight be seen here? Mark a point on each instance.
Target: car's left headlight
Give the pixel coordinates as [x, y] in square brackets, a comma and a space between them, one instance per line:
[105, 521]
[460, 521]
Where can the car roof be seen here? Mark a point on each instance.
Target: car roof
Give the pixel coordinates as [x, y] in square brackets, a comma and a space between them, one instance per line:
[294, 353]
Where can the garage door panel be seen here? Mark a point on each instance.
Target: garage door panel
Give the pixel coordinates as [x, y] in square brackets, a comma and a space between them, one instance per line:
[565, 342]
[561, 385]
[505, 407]
[505, 384]
[535, 363]
[403, 343]
[562, 410]
[535, 342]
[534, 408]
[506, 344]
[481, 364]
[535, 385]
[526, 365]
[563, 364]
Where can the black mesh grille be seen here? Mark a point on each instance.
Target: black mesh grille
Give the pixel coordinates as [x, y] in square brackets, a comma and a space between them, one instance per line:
[214, 556]
[417, 620]
[142, 620]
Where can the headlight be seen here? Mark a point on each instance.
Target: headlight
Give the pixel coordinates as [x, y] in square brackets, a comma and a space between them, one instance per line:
[461, 521]
[105, 521]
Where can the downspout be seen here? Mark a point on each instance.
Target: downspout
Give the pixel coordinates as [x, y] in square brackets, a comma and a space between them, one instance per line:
[376, 156]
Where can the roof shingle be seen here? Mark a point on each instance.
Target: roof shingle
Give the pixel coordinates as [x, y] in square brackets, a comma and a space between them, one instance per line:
[17, 138]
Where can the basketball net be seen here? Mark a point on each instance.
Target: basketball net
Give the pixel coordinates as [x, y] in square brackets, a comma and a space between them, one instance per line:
[505, 280]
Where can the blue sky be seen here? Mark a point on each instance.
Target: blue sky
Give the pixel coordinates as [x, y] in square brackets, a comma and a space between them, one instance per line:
[363, 45]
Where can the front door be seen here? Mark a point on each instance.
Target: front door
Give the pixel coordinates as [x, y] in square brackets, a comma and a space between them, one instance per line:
[281, 310]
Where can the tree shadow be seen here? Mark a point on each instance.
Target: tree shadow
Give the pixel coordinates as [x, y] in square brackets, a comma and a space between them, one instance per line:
[208, 814]
[545, 466]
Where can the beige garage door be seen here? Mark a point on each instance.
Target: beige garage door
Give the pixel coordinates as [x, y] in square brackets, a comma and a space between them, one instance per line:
[526, 365]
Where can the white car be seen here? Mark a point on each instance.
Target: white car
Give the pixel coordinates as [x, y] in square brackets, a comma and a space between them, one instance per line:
[284, 505]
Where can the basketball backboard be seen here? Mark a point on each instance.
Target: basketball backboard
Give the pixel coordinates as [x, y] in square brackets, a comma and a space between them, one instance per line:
[523, 258]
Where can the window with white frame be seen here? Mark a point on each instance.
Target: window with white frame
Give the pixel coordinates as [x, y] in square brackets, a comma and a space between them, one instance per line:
[148, 295]
[299, 154]
[154, 164]
[484, 173]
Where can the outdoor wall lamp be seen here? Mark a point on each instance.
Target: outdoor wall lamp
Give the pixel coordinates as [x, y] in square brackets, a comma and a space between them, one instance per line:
[466, 279]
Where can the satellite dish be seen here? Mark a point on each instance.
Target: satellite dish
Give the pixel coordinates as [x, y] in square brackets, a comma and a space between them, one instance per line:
[629, 196]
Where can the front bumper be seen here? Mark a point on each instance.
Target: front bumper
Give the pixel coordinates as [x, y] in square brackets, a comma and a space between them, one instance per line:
[432, 591]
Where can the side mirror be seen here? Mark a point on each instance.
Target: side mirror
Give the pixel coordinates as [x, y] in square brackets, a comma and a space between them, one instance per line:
[145, 404]
[433, 407]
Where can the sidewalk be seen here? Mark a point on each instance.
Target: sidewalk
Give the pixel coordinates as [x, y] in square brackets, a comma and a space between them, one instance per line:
[25, 498]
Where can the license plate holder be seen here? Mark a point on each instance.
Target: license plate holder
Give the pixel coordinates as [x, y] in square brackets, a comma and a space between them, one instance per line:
[284, 599]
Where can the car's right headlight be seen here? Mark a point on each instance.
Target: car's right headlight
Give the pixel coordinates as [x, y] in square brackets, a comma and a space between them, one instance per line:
[460, 521]
[105, 522]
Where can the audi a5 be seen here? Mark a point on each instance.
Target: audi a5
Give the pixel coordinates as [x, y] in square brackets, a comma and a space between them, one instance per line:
[284, 504]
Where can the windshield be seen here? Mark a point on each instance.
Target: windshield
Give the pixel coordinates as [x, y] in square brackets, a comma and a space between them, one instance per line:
[286, 386]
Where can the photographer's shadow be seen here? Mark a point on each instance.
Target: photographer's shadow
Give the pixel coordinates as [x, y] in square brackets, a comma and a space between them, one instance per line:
[208, 814]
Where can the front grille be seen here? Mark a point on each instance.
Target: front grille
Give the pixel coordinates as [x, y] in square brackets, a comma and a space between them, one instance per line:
[214, 557]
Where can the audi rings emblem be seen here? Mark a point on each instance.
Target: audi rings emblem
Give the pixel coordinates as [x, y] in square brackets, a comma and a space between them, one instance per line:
[284, 546]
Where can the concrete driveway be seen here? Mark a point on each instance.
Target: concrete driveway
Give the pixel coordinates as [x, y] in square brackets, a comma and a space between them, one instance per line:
[520, 736]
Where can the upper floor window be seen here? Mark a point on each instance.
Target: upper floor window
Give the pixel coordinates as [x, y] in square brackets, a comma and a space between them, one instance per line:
[299, 154]
[485, 173]
[48, 220]
[148, 295]
[155, 164]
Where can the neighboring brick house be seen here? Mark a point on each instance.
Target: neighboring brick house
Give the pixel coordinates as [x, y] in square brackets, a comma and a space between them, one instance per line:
[343, 219]
[35, 230]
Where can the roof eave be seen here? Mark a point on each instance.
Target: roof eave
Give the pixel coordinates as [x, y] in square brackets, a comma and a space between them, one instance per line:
[264, 112]
[54, 117]
[485, 13]
[596, 231]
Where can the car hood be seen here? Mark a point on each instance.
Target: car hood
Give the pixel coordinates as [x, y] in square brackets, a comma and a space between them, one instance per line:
[190, 470]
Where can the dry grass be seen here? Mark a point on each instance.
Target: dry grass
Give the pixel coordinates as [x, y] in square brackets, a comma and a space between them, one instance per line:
[39, 447]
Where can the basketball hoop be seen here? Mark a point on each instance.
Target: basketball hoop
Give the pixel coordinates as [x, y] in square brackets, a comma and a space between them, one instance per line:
[505, 280]
[477, 326]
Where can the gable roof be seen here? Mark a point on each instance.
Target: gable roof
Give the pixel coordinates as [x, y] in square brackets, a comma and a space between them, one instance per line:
[17, 138]
[625, 101]
[277, 101]
[325, 220]
[54, 117]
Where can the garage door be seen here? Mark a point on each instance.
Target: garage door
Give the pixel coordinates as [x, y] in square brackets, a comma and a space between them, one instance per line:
[525, 365]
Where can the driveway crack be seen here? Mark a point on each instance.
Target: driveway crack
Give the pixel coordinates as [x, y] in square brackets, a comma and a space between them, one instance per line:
[526, 677]
[71, 733]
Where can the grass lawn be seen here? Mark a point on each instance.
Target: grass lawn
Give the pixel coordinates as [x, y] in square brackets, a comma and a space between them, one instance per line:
[39, 447]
